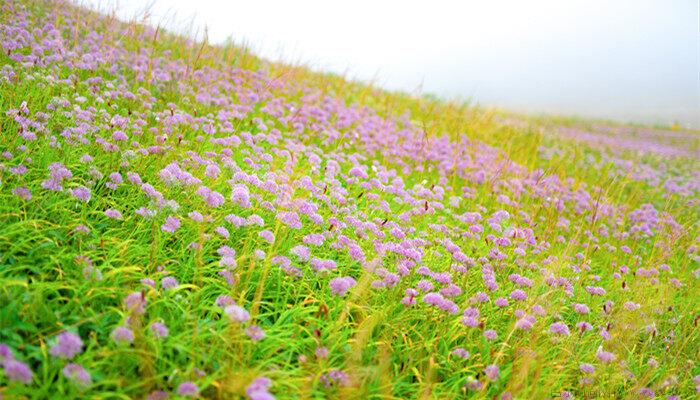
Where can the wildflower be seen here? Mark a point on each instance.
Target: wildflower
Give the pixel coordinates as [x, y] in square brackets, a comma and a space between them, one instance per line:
[518, 295]
[122, 334]
[460, 352]
[302, 252]
[340, 286]
[169, 283]
[237, 313]
[559, 328]
[16, 370]
[81, 193]
[490, 334]
[224, 300]
[291, 219]
[267, 235]
[492, 372]
[259, 389]
[587, 368]
[604, 356]
[159, 330]
[67, 345]
[255, 333]
[158, 395]
[135, 302]
[22, 192]
[334, 377]
[222, 232]
[78, 374]
[321, 352]
[171, 225]
[188, 389]
[112, 213]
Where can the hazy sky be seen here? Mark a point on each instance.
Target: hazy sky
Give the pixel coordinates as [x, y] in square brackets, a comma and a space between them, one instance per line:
[624, 59]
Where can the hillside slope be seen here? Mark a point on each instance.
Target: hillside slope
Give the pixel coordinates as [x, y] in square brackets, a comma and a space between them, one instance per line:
[179, 219]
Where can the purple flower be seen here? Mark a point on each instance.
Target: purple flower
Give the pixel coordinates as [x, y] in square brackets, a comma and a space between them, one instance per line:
[158, 395]
[81, 193]
[255, 333]
[259, 389]
[518, 295]
[237, 313]
[302, 252]
[460, 352]
[340, 286]
[159, 330]
[334, 377]
[224, 300]
[17, 371]
[490, 334]
[122, 334]
[67, 345]
[119, 136]
[321, 352]
[22, 192]
[171, 224]
[135, 302]
[267, 235]
[188, 389]
[559, 328]
[587, 368]
[222, 232]
[78, 374]
[581, 308]
[168, 283]
[5, 353]
[605, 356]
[114, 214]
[492, 372]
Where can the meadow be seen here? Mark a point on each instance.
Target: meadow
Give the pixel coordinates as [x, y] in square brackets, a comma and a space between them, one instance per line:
[185, 220]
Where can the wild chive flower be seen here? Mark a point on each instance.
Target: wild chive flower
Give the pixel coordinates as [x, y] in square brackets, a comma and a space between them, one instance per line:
[67, 345]
[5, 353]
[22, 192]
[122, 334]
[188, 389]
[559, 328]
[222, 232]
[237, 313]
[321, 352]
[168, 283]
[490, 334]
[334, 377]
[171, 225]
[255, 333]
[259, 389]
[112, 213]
[492, 372]
[605, 356]
[135, 302]
[18, 371]
[587, 368]
[581, 308]
[302, 252]
[81, 193]
[159, 330]
[78, 374]
[267, 235]
[461, 353]
[340, 286]
[158, 395]
[224, 300]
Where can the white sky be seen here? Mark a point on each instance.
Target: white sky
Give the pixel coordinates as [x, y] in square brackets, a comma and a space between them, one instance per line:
[624, 59]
